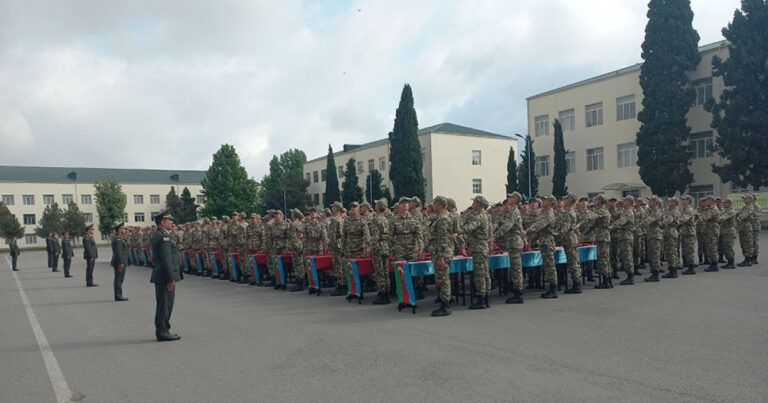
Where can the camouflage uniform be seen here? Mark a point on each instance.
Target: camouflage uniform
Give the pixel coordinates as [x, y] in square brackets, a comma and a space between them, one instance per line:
[356, 238]
[336, 226]
[639, 247]
[478, 229]
[510, 230]
[297, 249]
[755, 229]
[687, 222]
[653, 236]
[710, 216]
[316, 238]
[441, 245]
[700, 236]
[625, 219]
[728, 234]
[670, 222]
[744, 225]
[544, 227]
[380, 249]
[568, 238]
[600, 222]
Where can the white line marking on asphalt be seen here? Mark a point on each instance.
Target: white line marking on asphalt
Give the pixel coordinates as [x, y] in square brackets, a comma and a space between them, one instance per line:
[60, 386]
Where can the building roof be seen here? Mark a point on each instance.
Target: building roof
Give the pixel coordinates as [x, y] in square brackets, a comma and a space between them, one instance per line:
[445, 127]
[92, 175]
[621, 71]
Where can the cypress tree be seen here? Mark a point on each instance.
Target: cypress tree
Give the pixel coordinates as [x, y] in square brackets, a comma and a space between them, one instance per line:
[350, 190]
[512, 171]
[331, 180]
[669, 52]
[560, 170]
[741, 115]
[529, 158]
[226, 185]
[188, 206]
[405, 168]
[173, 204]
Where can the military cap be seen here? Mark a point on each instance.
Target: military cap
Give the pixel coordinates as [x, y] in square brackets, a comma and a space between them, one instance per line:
[164, 215]
[278, 211]
[117, 227]
[381, 203]
[311, 209]
[88, 227]
[416, 200]
[338, 204]
[718, 199]
[552, 199]
[629, 198]
[652, 198]
[746, 196]
[601, 198]
[404, 199]
[254, 215]
[225, 218]
[327, 211]
[516, 195]
[613, 199]
[440, 200]
[451, 202]
[343, 210]
[366, 205]
[673, 199]
[298, 213]
[537, 200]
[571, 196]
[480, 199]
[354, 204]
[686, 197]
[641, 201]
[235, 213]
[709, 197]
[242, 214]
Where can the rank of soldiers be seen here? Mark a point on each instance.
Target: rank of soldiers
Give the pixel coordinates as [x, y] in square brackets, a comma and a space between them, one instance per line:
[628, 233]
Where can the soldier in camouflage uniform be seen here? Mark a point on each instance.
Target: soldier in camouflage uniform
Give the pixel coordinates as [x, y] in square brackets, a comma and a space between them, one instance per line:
[615, 209]
[511, 231]
[728, 233]
[297, 250]
[687, 221]
[441, 244]
[224, 247]
[405, 238]
[700, 237]
[415, 213]
[599, 221]
[280, 235]
[744, 226]
[196, 245]
[478, 230]
[545, 228]
[755, 228]
[356, 237]
[568, 235]
[335, 234]
[670, 223]
[653, 236]
[710, 216]
[458, 240]
[639, 247]
[624, 227]
[254, 240]
[380, 251]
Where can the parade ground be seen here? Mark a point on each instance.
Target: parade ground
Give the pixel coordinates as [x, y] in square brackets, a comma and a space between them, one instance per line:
[692, 339]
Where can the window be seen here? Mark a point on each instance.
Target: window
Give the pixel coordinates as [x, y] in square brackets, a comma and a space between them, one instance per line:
[591, 196]
[701, 191]
[138, 199]
[382, 164]
[595, 158]
[477, 157]
[625, 108]
[316, 199]
[315, 176]
[309, 177]
[360, 167]
[702, 144]
[739, 189]
[341, 172]
[29, 219]
[371, 165]
[154, 199]
[570, 162]
[8, 200]
[703, 89]
[542, 125]
[594, 114]
[323, 175]
[477, 186]
[28, 200]
[631, 192]
[541, 167]
[66, 199]
[48, 200]
[567, 119]
[88, 218]
[30, 238]
[138, 217]
[85, 199]
[125, 217]
[200, 199]
[627, 155]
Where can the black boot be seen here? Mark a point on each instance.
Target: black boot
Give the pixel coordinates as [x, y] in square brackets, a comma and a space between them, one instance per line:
[517, 297]
[551, 292]
[576, 289]
[610, 282]
[672, 273]
[443, 310]
[615, 274]
[746, 263]
[729, 265]
[712, 267]
[637, 272]
[340, 291]
[754, 259]
[487, 303]
[630, 280]
[691, 269]
[479, 302]
[298, 287]
[654, 277]
[382, 298]
[603, 284]
[720, 258]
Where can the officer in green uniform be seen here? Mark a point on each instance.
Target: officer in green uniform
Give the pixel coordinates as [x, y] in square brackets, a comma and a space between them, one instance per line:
[120, 261]
[165, 274]
[15, 252]
[90, 253]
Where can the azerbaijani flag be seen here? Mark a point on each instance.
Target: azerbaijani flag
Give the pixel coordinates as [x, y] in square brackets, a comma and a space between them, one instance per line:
[312, 278]
[255, 270]
[130, 256]
[233, 260]
[215, 258]
[277, 261]
[185, 255]
[404, 283]
[199, 260]
[146, 261]
[353, 277]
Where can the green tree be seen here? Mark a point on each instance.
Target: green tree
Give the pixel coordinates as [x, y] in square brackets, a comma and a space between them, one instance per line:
[188, 206]
[561, 169]
[173, 205]
[670, 51]
[374, 188]
[73, 220]
[512, 171]
[332, 193]
[350, 190]
[405, 169]
[110, 204]
[285, 186]
[226, 185]
[741, 115]
[9, 224]
[51, 221]
[528, 160]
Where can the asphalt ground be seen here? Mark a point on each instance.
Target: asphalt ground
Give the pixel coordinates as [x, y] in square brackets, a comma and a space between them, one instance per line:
[693, 339]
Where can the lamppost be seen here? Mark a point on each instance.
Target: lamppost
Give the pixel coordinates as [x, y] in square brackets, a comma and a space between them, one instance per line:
[529, 146]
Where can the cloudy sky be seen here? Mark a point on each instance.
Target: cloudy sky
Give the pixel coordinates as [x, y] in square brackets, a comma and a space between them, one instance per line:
[162, 84]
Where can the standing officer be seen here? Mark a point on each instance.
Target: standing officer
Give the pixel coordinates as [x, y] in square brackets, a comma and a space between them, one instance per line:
[49, 249]
[356, 237]
[441, 245]
[710, 215]
[568, 232]
[15, 252]
[165, 274]
[380, 251]
[90, 253]
[120, 261]
[478, 230]
[55, 252]
[297, 249]
[755, 228]
[67, 253]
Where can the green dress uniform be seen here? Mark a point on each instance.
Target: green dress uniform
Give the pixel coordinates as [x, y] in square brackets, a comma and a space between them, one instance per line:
[15, 252]
[165, 270]
[119, 265]
[90, 254]
[67, 253]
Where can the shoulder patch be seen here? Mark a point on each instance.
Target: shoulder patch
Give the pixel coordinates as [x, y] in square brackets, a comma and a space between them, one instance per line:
[165, 238]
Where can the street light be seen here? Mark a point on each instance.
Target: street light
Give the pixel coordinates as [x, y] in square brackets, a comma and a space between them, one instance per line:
[529, 146]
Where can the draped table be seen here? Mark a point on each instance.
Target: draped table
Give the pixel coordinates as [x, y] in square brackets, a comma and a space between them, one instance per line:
[356, 267]
[314, 264]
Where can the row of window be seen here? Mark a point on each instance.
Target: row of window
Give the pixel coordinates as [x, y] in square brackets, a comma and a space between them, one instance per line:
[32, 238]
[701, 145]
[31, 219]
[625, 109]
[29, 200]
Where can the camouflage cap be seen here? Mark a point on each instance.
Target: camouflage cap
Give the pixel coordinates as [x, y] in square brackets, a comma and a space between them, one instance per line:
[571, 196]
[451, 202]
[440, 200]
[327, 211]
[343, 210]
[552, 199]
[206, 221]
[516, 195]
[404, 199]
[254, 215]
[537, 200]
[718, 199]
[381, 203]
[278, 211]
[366, 205]
[416, 200]
[354, 204]
[337, 204]
[672, 199]
[629, 198]
[686, 197]
[480, 199]
[746, 196]
[601, 198]
[613, 199]
[652, 198]
[709, 197]
[235, 213]
[225, 218]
